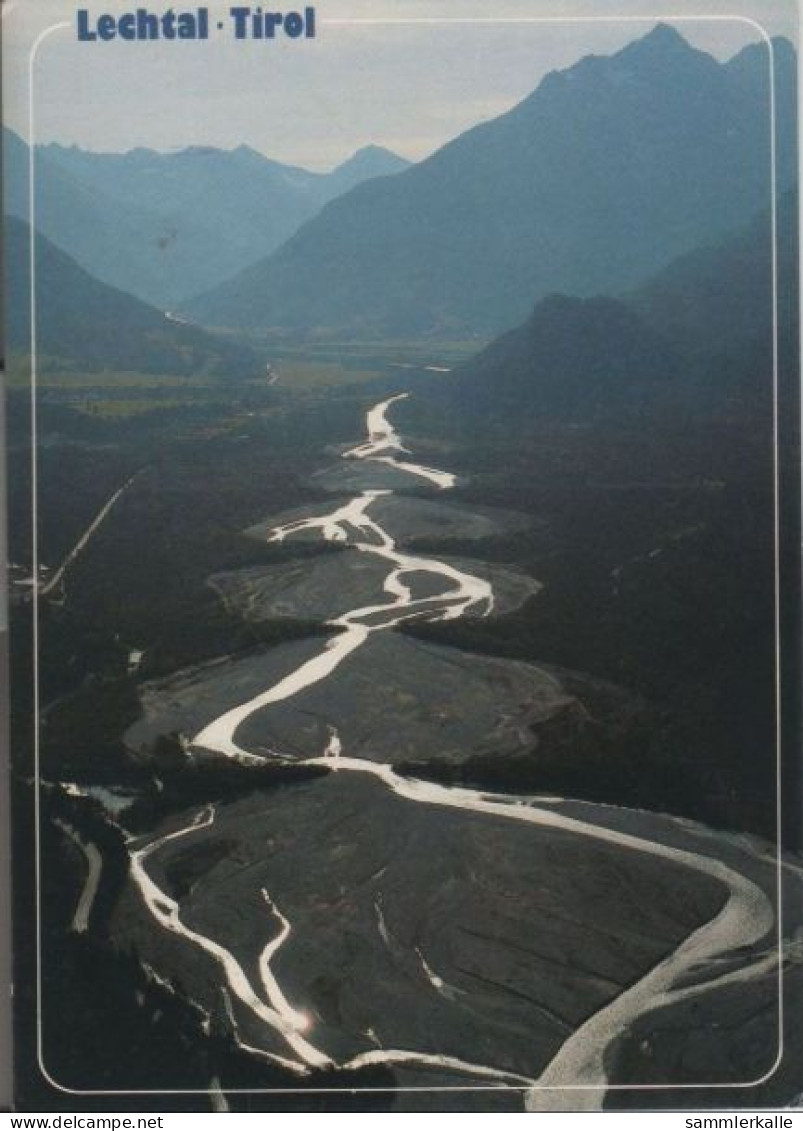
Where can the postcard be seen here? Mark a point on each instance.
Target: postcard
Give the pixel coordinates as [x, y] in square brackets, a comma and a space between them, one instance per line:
[404, 555]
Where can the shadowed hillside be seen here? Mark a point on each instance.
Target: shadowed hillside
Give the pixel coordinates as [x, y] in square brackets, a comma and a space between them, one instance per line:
[83, 323]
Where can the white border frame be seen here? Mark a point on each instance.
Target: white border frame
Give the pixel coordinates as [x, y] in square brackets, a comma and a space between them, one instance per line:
[402, 21]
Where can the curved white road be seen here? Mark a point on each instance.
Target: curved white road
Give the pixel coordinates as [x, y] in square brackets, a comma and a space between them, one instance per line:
[94, 862]
[82, 542]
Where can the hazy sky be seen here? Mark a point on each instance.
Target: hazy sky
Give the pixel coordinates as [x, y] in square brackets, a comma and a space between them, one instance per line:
[407, 85]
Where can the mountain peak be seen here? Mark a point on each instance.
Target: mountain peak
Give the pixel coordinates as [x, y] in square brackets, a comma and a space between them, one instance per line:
[784, 53]
[365, 150]
[661, 50]
[248, 154]
[664, 51]
[661, 39]
[246, 150]
[372, 157]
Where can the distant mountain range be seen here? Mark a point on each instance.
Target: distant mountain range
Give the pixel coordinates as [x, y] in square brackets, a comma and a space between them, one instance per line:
[164, 225]
[85, 324]
[698, 335]
[604, 175]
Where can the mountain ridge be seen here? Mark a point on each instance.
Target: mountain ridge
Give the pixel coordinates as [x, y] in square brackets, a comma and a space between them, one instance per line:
[156, 224]
[588, 185]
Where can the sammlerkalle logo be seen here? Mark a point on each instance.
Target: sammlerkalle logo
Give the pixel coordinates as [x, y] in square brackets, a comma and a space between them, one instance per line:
[737, 1122]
